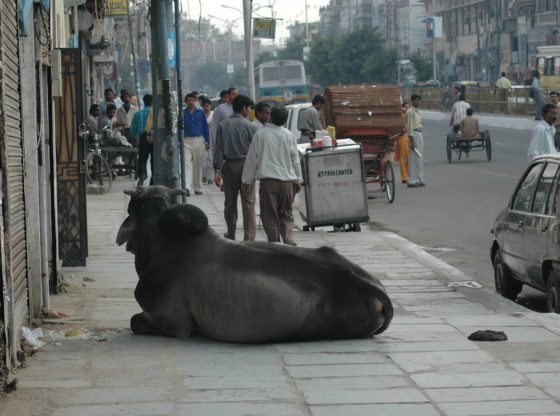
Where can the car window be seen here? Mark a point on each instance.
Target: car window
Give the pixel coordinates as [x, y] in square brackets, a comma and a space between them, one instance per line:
[544, 186]
[522, 198]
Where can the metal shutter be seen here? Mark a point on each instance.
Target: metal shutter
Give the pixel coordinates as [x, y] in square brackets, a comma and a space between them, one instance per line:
[11, 144]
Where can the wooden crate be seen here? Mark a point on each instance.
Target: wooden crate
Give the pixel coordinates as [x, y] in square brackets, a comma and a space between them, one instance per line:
[363, 106]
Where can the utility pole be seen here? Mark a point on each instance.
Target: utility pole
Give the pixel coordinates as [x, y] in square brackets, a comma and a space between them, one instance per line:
[165, 148]
[247, 20]
[306, 27]
[434, 52]
[180, 131]
[134, 65]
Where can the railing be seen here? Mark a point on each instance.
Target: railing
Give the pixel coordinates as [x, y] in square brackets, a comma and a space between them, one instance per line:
[514, 101]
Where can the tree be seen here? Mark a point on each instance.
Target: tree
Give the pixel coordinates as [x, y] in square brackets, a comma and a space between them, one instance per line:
[319, 66]
[352, 58]
[423, 67]
[293, 50]
[264, 57]
[212, 75]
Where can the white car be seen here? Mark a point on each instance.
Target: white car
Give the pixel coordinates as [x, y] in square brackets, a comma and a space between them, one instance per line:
[293, 117]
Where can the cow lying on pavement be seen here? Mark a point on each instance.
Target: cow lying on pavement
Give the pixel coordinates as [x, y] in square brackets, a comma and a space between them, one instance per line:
[192, 279]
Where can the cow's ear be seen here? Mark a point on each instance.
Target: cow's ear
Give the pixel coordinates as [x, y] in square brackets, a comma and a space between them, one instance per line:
[125, 231]
[130, 192]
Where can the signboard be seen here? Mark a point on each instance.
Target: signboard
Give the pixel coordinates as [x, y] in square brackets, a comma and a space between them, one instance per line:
[145, 66]
[230, 69]
[116, 8]
[434, 27]
[264, 28]
[171, 48]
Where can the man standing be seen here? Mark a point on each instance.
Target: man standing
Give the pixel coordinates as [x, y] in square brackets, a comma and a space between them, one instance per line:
[416, 141]
[262, 114]
[196, 143]
[555, 101]
[542, 140]
[125, 114]
[145, 148]
[208, 169]
[310, 120]
[273, 159]
[503, 82]
[537, 95]
[109, 99]
[222, 112]
[233, 137]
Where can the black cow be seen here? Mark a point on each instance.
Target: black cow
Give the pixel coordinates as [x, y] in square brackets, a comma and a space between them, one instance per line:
[192, 279]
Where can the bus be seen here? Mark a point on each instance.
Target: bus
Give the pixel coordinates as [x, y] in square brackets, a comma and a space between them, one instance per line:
[548, 65]
[281, 82]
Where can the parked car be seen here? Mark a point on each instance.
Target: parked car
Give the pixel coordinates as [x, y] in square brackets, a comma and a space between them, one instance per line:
[526, 243]
[293, 117]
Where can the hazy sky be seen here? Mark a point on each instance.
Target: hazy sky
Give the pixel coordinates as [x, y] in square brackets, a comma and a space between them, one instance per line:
[288, 10]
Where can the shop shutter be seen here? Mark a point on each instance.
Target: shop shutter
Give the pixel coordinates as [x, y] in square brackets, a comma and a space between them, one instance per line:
[12, 169]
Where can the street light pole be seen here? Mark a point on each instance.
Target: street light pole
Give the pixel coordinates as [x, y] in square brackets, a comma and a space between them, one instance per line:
[247, 19]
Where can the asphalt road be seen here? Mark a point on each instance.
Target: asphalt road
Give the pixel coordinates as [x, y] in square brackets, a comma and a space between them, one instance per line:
[452, 216]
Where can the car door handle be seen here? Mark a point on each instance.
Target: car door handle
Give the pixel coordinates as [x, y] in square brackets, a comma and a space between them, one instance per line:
[520, 223]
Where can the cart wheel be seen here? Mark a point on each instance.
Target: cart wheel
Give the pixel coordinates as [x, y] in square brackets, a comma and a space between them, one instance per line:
[389, 181]
[306, 228]
[488, 146]
[459, 153]
[449, 149]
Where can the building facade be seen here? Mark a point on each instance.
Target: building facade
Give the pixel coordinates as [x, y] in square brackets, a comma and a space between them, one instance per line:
[482, 38]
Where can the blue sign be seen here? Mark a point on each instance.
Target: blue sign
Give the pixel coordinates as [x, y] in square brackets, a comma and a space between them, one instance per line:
[171, 48]
[145, 66]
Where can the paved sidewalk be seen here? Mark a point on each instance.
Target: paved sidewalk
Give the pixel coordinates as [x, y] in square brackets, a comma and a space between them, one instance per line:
[422, 365]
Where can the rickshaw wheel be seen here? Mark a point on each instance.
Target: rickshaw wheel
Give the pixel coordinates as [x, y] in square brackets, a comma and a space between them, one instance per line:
[389, 181]
[449, 150]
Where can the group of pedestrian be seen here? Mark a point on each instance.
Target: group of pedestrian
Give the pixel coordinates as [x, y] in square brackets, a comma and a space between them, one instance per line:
[246, 151]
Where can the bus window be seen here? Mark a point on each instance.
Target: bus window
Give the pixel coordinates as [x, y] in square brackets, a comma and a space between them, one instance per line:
[293, 72]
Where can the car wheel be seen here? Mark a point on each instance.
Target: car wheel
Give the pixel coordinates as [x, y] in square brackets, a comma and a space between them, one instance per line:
[506, 284]
[553, 293]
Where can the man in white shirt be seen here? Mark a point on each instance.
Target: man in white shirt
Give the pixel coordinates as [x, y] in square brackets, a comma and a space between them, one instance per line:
[542, 141]
[458, 113]
[273, 159]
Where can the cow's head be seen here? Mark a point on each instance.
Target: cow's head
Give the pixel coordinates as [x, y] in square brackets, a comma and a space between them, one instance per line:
[146, 203]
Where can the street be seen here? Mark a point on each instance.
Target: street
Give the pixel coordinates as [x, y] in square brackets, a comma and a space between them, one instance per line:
[452, 216]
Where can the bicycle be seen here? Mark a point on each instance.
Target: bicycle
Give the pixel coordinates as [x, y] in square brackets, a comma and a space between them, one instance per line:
[98, 170]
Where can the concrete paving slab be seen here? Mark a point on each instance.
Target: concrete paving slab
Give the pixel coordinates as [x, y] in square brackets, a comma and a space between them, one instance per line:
[376, 409]
[478, 394]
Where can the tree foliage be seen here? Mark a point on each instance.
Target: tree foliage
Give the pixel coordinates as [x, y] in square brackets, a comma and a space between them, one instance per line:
[211, 75]
[354, 57]
[423, 67]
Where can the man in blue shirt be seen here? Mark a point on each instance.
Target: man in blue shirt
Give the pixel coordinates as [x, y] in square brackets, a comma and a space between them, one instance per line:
[196, 143]
[145, 147]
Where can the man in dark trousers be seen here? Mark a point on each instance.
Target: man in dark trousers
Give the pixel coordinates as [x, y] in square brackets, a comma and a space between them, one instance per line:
[273, 159]
[145, 144]
[233, 137]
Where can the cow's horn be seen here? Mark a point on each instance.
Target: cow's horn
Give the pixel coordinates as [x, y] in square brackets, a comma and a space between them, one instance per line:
[130, 192]
[176, 192]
